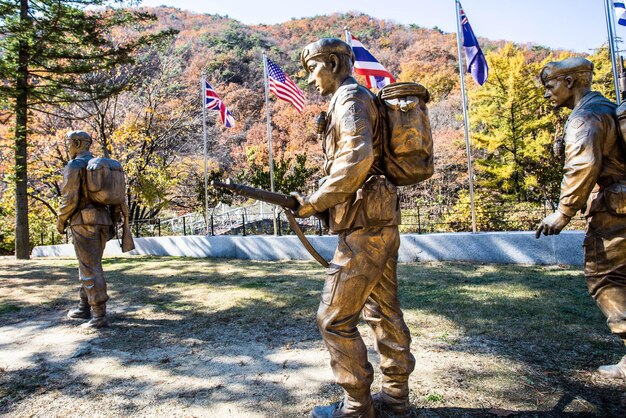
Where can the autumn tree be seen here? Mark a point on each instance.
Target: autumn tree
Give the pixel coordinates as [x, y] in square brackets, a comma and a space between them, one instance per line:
[46, 46]
[143, 109]
[603, 72]
[297, 155]
[513, 129]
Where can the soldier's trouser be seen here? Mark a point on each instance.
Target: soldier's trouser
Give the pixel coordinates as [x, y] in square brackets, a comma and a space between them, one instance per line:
[89, 243]
[362, 277]
[605, 267]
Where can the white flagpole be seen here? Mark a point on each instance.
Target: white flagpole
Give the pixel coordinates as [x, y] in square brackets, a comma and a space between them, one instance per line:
[206, 178]
[348, 38]
[610, 27]
[269, 134]
[465, 117]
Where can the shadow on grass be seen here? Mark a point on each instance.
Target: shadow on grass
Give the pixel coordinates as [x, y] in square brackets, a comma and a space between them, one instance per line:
[539, 318]
[192, 346]
[158, 324]
[480, 412]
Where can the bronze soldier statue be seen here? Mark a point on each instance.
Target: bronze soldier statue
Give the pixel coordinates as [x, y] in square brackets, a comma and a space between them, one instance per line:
[362, 207]
[92, 226]
[594, 181]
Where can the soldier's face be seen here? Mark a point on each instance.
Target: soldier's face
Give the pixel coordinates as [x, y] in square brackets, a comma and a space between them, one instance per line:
[559, 93]
[73, 146]
[321, 75]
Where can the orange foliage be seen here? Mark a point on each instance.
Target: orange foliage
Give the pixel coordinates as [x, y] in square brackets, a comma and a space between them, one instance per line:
[230, 55]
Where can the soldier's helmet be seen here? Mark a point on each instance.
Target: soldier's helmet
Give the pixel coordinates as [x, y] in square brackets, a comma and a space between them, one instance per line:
[565, 67]
[80, 135]
[325, 46]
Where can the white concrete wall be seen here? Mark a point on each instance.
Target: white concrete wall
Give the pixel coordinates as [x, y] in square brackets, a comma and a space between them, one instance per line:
[490, 247]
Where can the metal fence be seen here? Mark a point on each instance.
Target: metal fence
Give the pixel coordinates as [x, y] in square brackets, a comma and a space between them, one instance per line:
[510, 217]
[258, 219]
[255, 219]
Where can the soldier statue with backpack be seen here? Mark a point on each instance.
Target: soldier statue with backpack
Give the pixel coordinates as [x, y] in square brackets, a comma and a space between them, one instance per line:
[92, 202]
[594, 182]
[371, 145]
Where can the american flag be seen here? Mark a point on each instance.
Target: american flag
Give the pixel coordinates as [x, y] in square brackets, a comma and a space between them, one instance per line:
[213, 102]
[283, 86]
[365, 64]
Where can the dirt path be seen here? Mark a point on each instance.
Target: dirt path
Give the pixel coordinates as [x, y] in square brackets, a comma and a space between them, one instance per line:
[153, 361]
[70, 371]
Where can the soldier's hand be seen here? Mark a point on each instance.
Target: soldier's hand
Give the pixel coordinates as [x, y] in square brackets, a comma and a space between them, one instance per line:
[60, 228]
[552, 224]
[306, 209]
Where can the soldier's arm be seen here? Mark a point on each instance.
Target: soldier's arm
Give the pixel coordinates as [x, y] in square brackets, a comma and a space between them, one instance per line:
[70, 194]
[353, 156]
[583, 159]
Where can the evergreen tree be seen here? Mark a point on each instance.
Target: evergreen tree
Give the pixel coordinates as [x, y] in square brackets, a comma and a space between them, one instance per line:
[45, 48]
[513, 129]
[289, 176]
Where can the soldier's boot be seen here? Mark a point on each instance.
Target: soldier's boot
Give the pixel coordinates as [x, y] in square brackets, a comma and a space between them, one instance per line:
[400, 408]
[394, 397]
[82, 312]
[98, 318]
[614, 371]
[360, 406]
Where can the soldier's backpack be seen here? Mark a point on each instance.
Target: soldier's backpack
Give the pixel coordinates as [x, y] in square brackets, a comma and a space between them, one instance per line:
[620, 113]
[105, 181]
[408, 146]
[615, 194]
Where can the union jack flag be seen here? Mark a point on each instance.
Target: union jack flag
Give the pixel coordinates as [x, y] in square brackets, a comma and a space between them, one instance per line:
[365, 64]
[213, 102]
[283, 87]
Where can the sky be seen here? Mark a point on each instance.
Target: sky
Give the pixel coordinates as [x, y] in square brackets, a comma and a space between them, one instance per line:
[578, 25]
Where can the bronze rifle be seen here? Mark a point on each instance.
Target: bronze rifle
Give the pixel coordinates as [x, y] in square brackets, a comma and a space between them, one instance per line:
[288, 203]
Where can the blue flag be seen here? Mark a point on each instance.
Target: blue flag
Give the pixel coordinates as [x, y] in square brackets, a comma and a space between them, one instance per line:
[474, 57]
[620, 12]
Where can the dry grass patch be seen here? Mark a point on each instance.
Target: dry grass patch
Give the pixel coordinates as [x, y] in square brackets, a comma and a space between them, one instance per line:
[220, 338]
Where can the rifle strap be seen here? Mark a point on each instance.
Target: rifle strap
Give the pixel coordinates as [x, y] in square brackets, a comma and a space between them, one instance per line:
[296, 229]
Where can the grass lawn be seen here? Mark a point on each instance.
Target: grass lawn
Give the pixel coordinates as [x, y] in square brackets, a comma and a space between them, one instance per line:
[222, 338]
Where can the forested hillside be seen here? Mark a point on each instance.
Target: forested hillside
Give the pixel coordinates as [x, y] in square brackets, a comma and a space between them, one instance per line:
[153, 121]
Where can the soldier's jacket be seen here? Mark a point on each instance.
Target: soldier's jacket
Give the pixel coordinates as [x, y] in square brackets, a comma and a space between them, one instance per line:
[354, 191]
[594, 156]
[75, 206]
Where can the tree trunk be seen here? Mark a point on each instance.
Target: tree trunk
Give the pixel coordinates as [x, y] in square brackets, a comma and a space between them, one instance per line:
[22, 242]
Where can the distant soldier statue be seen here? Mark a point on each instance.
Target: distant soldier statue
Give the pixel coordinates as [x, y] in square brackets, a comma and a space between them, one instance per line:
[92, 200]
[594, 181]
[361, 205]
